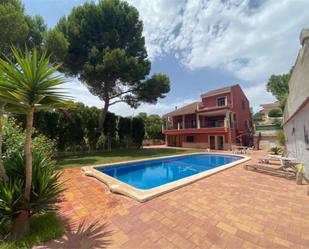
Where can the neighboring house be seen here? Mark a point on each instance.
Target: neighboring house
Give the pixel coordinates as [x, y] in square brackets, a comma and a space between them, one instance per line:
[265, 109]
[268, 128]
[296, 113]
[220, 119]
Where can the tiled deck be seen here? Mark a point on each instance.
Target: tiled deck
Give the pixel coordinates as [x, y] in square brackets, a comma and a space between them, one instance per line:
[233, 209]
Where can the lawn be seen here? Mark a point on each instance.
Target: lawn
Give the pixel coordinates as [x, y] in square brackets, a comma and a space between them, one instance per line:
[42, 228]
[117, 155]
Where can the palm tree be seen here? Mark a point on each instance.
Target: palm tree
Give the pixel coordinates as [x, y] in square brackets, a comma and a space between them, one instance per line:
[31, 84]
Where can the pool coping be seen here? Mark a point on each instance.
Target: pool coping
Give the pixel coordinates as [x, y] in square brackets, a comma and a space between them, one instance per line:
[117, 186]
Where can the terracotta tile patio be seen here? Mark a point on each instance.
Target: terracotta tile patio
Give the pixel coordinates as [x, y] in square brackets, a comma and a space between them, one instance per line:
[233, 209]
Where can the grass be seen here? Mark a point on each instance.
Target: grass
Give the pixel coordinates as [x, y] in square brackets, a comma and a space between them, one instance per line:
[42, 229]
[117, 155]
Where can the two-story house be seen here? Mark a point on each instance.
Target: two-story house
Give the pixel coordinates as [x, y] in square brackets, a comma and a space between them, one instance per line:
[222, 118]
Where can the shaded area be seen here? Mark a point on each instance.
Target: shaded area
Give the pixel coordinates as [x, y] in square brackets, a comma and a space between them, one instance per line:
[117, 156]
[42, 228]
[82, 235]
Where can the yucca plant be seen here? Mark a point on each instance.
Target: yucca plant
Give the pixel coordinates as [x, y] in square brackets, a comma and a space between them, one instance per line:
[11, 193]
[276, 150]
[29, 83]
[46, 187]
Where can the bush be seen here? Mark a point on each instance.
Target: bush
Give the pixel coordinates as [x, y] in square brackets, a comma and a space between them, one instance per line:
[101, 142]
[277, 122]
[258, 117]
[281, 138]
[77, 129]
[11, 193]
[138, 131]
[276, 150]
[14, 139]
[45, 189]
[275, 113]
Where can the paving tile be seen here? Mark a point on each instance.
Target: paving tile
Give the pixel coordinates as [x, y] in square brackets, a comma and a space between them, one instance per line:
[226, 227]
[235, 208]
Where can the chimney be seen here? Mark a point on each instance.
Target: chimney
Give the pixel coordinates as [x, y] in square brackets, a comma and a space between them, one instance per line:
[175, 107]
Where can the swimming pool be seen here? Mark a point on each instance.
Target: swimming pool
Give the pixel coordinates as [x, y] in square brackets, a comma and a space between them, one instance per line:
[146, 179]
[154, 173]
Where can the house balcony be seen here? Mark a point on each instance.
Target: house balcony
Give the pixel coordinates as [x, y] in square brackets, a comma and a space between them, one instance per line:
[193, 127]
[204, 108]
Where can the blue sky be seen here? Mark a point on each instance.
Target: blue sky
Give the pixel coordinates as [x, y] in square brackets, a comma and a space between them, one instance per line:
[205, 44]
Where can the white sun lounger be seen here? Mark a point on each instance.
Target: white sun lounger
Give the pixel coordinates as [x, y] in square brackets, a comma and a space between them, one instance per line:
[283, 160]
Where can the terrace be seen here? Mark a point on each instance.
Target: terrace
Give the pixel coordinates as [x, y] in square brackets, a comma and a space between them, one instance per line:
[234, 209]
[193, 125]
[192, 121]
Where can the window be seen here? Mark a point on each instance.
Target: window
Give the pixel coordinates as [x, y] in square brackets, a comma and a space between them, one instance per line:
[306, 137]
[190, 139]
[235, 120]
[193, 123]
[221, 101]
[246, 124]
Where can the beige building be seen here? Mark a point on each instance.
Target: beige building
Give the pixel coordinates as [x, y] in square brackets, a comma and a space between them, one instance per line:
[267, 129]
[296, 115]
[265, 109]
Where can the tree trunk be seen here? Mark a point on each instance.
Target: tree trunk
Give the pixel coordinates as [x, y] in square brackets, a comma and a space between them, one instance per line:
[103, 114]
[21, 225]
[2, 169]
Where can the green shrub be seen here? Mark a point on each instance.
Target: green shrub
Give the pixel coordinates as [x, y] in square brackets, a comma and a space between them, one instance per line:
[138, 131]
[277, 122]
[276, 150]
[14, 139]
[11, 193]
[275, 113]
[44, 145]
[259, 116]
[45, 190]
[101, 142]
[281, 138]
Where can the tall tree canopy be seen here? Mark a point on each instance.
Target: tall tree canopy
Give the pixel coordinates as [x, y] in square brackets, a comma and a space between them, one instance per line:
[278, 85]
[17, 28]
[106, 51]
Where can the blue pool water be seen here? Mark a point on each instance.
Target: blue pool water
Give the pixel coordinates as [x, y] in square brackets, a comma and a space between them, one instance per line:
[154, 173]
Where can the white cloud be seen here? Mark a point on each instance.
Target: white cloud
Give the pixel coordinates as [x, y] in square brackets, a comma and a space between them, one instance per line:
[226, 34]
[251, 43]
[257, 95]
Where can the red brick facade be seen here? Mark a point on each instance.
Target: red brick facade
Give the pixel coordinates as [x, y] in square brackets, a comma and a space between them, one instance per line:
[221, 119]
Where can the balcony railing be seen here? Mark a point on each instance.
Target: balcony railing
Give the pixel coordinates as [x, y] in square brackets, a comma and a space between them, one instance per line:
[202, 106]
[212, 124]
[194, 125]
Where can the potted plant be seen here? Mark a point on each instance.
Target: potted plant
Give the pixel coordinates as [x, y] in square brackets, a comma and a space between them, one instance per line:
[300, 174]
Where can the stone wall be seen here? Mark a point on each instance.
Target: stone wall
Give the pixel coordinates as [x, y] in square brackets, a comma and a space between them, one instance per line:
[296, 114]
[297, 137]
